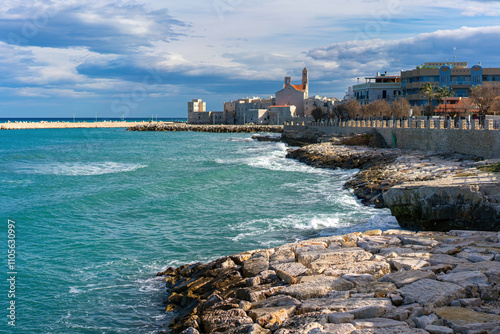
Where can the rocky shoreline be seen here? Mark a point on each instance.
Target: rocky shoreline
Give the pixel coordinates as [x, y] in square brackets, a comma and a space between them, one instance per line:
[373, 282]
[424, 191]
[165, 126]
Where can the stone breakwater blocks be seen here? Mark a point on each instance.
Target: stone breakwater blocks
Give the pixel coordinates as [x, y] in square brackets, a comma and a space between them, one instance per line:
[465, 278]
[360, 307]
[335, 256]
[428, 292]
[375, 268]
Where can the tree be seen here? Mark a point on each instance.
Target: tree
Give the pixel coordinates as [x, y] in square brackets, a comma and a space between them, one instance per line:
[485, 98]
[377, 108]
[350, 108]
[431, 93]
[317, 113]
[400, 108]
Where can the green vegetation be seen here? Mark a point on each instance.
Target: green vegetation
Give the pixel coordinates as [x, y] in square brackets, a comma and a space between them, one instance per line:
[493, 168]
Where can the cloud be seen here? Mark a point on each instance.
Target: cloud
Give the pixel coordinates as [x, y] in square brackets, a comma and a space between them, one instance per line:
[105, 28]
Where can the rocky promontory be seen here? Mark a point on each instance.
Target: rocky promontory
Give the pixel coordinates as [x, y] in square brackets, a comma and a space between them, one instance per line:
[373, 282]
[169, 126]
[423, 190]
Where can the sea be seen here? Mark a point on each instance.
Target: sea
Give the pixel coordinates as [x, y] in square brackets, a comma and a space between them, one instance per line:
[96, 213]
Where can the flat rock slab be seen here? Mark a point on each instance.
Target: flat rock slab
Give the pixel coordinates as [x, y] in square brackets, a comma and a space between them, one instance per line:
[402, 278]
[317, 288]
[463, 320]
[379, 323]
[428, 292]
[375, 268]
[292, 269]
[465, 278]
[268, 316]
[407, 240]
[335, 256]
[338, 328]
[408, 264]
[437, 259]
[341, 305]
[275, 301]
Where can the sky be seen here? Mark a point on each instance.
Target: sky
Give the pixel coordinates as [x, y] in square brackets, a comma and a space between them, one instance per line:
[146, 58]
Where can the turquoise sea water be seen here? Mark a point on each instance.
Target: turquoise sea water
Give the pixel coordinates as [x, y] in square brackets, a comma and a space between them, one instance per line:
[98, 212]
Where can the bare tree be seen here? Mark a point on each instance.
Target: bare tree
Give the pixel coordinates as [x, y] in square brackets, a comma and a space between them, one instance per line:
[401, 108]
[377, 108]
[350, 108]
[484, 97]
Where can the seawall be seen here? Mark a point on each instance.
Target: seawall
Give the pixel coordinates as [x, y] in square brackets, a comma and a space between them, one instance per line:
[248, 128]
[422, 135]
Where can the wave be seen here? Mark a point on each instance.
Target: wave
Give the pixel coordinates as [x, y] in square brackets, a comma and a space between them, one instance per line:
[80, 169]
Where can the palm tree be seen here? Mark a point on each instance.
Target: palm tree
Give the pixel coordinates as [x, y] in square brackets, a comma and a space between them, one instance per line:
[444, 92]
[430, 93]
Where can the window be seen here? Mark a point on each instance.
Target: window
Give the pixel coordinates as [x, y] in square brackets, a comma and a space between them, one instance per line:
[384, 94]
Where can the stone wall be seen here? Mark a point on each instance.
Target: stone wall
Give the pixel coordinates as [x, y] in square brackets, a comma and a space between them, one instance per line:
[422, 135]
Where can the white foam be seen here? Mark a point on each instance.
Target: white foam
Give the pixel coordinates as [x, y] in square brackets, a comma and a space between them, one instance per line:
[78, 168]
[75, 290]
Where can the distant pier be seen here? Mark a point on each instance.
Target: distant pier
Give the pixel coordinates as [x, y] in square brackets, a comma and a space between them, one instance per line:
[166, 126]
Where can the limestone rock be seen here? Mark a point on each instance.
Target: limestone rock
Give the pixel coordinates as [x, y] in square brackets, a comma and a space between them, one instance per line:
[376, 268]
[219, 320]
[268, 316]
[254, 265]
[249, 329]
[341, 305]
[340, 317]
[292, 269]
[408, 264]
[338, 328]
[463, 320]
[402, 278]
[431, 293]
[433, 329]
[335, 256]
[316, 288]
[465, 278]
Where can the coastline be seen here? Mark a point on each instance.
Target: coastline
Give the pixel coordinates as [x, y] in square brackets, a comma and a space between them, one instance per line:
[423, 190]
[402, 282]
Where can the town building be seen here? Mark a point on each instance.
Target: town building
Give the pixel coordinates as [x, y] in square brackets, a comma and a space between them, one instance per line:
[380, 87]
[326, 104]
[455, 75]
[294, 94]
[197, 105]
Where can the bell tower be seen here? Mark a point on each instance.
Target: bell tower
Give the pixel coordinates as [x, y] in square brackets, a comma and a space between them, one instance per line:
[305, 81]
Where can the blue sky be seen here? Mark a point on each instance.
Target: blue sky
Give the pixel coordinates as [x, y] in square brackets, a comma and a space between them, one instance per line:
[141, 58]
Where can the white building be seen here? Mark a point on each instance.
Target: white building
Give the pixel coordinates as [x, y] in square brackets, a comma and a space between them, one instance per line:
[197, 105]
[325, 103]
[381, 87]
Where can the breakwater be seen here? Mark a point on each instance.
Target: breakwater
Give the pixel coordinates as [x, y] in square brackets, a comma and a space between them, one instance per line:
[424, 191]
[373, 282]
[248, 128]
[66, 125]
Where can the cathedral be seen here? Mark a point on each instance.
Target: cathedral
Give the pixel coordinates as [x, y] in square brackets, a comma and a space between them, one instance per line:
[294, 94]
